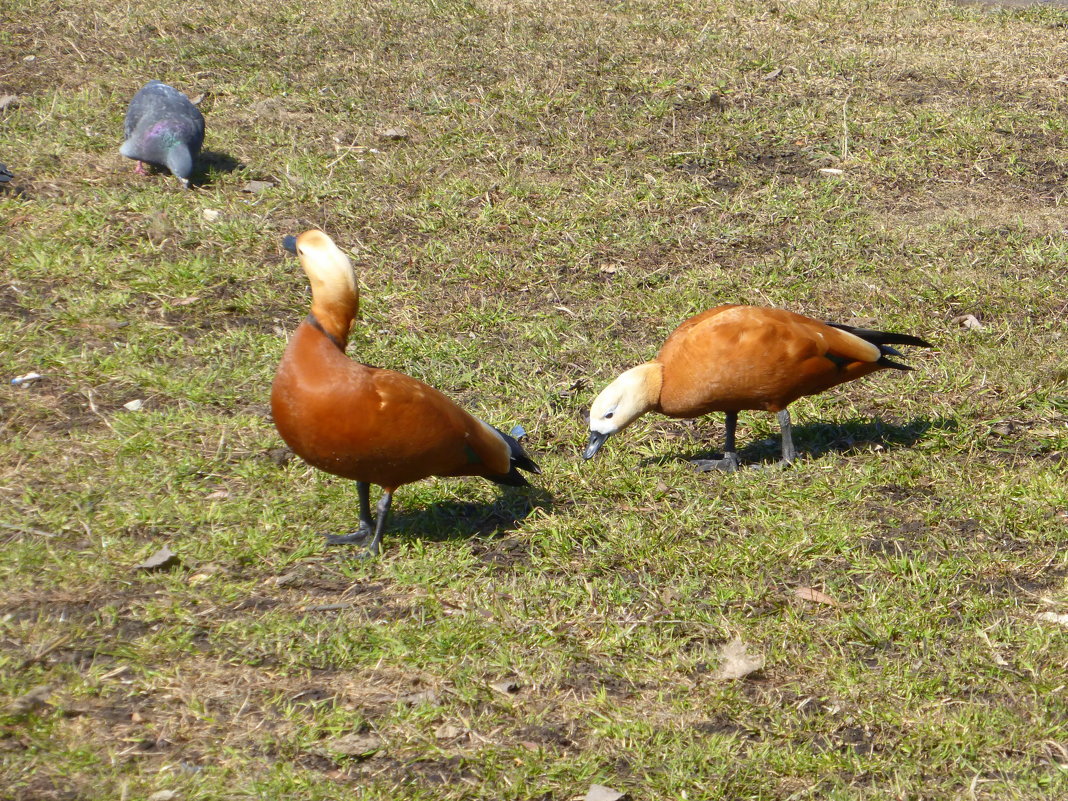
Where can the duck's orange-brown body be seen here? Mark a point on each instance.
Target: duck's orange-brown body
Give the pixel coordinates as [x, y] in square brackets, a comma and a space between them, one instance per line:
[732, 358]
[374, 425]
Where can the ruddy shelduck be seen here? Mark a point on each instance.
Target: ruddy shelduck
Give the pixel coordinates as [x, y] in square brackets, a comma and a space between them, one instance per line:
[733, 358]
[365, 423]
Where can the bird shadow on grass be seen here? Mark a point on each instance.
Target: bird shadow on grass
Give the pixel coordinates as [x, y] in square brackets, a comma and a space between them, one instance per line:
[813, 440]
[459, 520]
[211, 163]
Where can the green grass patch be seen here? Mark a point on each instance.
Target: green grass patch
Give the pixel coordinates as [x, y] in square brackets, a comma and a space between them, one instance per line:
[574, 183]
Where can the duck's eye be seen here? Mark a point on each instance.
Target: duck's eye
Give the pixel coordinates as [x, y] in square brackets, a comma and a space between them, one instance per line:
[609, 416]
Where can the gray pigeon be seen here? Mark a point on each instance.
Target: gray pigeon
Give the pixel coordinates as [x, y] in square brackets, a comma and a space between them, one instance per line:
[5, 174]
[163, 128]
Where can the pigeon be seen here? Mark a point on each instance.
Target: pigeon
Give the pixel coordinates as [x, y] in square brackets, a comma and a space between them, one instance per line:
[163, 128]
[5, 174]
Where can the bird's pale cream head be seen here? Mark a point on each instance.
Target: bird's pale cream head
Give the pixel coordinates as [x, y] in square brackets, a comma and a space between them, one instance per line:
[328, 269]
[622, 402]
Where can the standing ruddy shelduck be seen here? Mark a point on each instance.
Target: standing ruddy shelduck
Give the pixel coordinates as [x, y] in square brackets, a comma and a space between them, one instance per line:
[732, 358]
[372, 425]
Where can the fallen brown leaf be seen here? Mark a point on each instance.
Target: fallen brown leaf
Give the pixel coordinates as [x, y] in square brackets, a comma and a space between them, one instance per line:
[506, 687]
[359, 746]
[255, 187]
[29, 701]
[160, 560]
[598, 792]
[969, 321]
[393, 134]
[448, 732]
[421, 697]
[815, 596]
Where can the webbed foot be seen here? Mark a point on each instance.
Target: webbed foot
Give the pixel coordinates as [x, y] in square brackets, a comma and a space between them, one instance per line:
[358, 537]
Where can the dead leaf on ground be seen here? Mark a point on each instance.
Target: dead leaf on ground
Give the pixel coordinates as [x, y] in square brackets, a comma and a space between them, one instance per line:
[255, 187]
[815, 596]
[577, 385]
[295, 576]
[421, 697]
[29, 701]
[393, 134]
[163, 795]
[598, 792]
[506, 687]
[771, 76]
[280, 456]
[359, 746]
[969, 321]
[1006, 428]
[448, 732]
[160, 560]
[736, 662]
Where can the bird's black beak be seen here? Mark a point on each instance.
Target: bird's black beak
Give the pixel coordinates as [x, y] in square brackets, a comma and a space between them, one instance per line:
[596, 441]
[290, 244]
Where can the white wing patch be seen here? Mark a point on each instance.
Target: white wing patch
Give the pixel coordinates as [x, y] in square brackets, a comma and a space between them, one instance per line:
[874, 354]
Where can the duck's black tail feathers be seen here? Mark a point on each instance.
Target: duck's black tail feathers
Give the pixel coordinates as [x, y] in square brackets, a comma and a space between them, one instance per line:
[520, 461]
[884, 341]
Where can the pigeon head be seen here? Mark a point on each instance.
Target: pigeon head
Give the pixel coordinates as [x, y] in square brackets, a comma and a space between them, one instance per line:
[179, 161]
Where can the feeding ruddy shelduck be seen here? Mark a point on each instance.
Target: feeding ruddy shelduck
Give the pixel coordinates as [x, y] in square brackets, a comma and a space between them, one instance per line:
[732, 358]
[372, 425]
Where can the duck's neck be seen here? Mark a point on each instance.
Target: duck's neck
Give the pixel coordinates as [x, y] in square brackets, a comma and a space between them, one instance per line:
[334, 317]
[648, 381]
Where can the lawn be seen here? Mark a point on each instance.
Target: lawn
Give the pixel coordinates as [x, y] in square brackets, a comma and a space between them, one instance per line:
[534, 195]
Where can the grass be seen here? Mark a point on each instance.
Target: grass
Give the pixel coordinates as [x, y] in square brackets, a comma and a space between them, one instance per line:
[576, 180]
